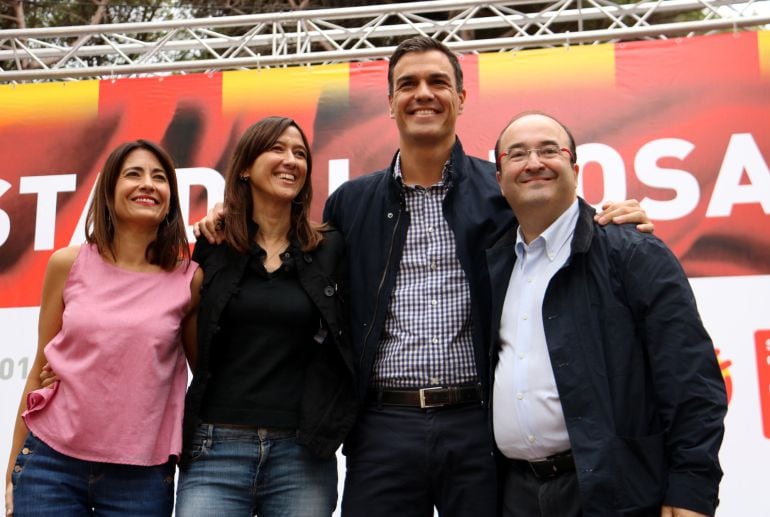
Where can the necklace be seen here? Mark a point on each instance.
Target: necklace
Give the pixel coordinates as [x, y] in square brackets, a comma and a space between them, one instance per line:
[273, 252]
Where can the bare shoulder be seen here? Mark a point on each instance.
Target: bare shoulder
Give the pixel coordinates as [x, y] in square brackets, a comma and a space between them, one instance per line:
[62, 259]
[197, 280]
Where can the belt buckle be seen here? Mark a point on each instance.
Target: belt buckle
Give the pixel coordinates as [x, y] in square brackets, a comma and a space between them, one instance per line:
[536, 465]
[423, 405]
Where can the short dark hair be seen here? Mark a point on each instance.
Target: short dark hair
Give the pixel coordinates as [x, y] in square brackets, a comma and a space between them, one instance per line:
[523, 114]
[239, 204]
[170, 244]
[423, 44]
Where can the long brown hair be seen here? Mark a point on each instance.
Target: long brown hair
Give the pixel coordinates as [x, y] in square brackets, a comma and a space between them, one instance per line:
[239, 204]
[170, 243]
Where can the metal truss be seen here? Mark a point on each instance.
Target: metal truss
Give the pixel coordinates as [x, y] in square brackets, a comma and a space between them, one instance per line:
[350, 34]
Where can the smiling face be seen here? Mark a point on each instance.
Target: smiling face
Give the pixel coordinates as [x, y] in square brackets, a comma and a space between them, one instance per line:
[142, 190]
[279, 173]
[425, 102]
[544, 187]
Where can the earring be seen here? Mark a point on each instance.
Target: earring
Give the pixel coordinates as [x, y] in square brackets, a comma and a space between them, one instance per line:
[244, 178]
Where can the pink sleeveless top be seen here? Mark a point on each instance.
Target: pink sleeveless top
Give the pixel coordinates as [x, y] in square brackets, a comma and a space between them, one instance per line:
[121, 366]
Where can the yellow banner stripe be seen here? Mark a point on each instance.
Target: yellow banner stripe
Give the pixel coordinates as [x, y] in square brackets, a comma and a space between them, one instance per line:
[545, 69]
[763, 49]
[283, 90]
[48, 102]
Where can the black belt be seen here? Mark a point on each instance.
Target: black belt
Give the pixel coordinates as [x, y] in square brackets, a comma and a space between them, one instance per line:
[548, 468]
[426, 398]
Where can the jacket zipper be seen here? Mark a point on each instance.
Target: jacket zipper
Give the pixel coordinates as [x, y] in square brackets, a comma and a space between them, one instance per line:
[379, 288]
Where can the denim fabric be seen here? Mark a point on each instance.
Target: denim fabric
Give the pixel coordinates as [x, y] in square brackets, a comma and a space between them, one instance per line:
[46, 483]
[241, 472]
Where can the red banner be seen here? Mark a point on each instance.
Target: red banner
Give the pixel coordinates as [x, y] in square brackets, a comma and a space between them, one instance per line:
[682, 125]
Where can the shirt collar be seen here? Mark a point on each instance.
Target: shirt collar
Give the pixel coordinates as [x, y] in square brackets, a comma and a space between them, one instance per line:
[446, 173]
[554, 237]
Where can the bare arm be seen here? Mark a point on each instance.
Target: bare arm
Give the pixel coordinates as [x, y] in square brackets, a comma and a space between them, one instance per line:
[628, 211]
[49, 324]
[670, 511]
[189, 325]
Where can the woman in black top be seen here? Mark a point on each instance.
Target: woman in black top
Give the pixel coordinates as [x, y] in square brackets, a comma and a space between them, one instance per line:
[272, 394]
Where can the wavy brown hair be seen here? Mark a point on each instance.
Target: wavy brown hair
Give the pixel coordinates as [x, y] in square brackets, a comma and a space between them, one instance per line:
[171, 244]
[239, 204]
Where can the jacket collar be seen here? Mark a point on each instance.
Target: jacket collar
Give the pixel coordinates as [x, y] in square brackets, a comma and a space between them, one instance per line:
[581, 240]
[455, 171]
[584, 229]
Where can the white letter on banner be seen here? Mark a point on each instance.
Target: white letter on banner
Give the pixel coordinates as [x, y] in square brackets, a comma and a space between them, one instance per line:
[338, 173]
[78, 234]
[47, 188]
[5, 221]
[613, 170]
[209, 179]
[682, 182]
[742, 154]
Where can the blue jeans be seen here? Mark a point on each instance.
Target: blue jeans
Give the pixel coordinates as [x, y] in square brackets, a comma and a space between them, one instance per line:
[240, 472]
[46, 483]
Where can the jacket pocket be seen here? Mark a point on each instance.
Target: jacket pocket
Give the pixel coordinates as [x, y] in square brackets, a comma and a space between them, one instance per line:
[640, 472]
[199, 446]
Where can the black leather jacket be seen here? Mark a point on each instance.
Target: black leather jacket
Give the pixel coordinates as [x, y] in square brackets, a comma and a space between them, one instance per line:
[328, 405]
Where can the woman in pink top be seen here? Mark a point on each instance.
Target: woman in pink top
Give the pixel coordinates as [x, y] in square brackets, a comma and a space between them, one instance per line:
[114, 314]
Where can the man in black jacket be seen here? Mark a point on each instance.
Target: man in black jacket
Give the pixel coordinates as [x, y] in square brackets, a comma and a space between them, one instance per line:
[607, 396]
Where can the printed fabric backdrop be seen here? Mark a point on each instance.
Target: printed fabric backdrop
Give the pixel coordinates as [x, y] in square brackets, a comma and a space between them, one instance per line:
[683, 125]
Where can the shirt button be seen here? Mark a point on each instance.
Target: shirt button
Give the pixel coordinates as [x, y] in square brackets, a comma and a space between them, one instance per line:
[25, 450]
[531, 439]
[521, 356]
[434, 341]
[525, 317]
[433, 266]
[390, 215]
[430, 228]
[328, 291]
[520, 396]
[17, 469]
[433, 302]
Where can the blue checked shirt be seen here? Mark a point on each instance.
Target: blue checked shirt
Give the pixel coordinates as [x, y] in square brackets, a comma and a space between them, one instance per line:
[427, 337]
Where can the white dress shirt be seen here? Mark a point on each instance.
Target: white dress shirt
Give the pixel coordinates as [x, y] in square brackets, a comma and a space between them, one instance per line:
[527, 416]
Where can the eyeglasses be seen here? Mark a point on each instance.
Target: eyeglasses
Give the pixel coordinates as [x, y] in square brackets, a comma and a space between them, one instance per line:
[547, 152]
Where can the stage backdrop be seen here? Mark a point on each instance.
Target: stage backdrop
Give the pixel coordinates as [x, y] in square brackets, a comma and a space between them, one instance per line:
[683, 125]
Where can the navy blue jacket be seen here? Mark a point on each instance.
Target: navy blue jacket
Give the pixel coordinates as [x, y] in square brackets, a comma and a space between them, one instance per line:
[328, 405]
[641, 390]
[371, 213]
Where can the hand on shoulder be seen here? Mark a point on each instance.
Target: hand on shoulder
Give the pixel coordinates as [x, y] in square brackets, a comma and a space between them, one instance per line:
[628, 211]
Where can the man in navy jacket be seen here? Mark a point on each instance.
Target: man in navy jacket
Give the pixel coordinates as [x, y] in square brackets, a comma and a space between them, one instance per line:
[607, 395]
[416, 234]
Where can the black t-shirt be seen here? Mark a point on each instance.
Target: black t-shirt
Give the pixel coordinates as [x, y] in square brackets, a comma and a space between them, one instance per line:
[266, 340]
